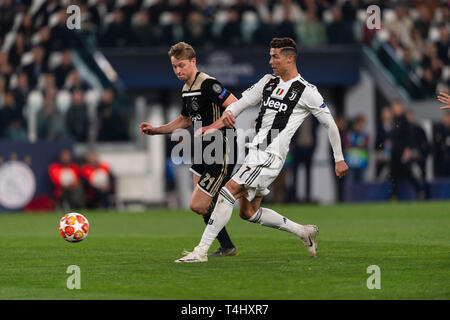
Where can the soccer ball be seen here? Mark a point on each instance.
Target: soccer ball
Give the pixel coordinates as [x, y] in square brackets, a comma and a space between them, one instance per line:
[74, 227]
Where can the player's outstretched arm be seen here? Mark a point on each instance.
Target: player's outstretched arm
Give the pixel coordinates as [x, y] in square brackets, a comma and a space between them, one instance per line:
[180, 122]
[326, 119]
[218, 124]
[445, 99]
[228, 118]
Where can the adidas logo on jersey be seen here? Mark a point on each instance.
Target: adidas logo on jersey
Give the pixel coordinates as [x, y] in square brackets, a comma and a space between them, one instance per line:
[275, 105]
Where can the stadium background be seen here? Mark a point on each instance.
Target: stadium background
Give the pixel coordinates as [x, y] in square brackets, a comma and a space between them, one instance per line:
[88, 89]
[65, 93]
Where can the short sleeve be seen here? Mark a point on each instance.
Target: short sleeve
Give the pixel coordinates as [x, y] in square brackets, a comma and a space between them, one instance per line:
[214, 90]
[254, 94]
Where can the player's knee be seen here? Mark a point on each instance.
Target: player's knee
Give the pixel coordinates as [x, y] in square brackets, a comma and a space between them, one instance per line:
[245, 213]
[198, 208]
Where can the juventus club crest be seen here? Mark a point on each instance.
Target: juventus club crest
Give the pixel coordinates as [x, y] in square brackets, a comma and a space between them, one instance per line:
[293, 95]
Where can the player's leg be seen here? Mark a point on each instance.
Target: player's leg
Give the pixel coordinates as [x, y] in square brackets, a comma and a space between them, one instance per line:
[203, 201]
[253, 212]
[219, 218]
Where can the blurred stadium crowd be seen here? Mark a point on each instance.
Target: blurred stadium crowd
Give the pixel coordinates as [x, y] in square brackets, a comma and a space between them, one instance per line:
[37, 58]
[36, 46]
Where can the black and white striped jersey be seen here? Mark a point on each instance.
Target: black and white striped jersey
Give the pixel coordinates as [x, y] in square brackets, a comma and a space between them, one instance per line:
[283, 107]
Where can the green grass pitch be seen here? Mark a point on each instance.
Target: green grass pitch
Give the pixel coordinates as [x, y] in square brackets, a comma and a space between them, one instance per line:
[130, 255]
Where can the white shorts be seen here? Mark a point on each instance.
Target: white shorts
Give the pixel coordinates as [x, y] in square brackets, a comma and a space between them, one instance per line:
[258, 172]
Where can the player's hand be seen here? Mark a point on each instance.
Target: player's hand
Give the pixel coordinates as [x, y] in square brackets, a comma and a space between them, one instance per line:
[341, 169]
[407, 154]
[445, 99]
[204, 131]
[146, 128]
[228, 119]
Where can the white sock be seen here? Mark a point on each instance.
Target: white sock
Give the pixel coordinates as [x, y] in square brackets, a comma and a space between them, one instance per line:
[219, 218]
[269, 218]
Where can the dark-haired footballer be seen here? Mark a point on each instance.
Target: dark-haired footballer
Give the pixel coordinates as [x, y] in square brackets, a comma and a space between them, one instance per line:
[285, 100]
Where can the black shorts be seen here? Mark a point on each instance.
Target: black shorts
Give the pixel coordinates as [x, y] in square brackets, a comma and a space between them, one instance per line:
[214, 176]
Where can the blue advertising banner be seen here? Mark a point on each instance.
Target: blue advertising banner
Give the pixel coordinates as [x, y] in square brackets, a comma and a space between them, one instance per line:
[335, 65]
[23, 171]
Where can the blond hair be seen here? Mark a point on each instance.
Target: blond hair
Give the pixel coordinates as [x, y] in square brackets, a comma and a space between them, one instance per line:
[182, 51]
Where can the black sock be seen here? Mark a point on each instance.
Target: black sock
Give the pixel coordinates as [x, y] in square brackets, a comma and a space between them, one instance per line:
[222, 237]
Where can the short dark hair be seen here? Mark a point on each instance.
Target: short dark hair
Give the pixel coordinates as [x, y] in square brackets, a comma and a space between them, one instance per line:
[287, 46]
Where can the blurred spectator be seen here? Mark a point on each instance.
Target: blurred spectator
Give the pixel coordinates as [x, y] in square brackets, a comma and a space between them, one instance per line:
[65, 176]
[263, 10]
[157, 9]
[417, 45]
[242, 6]
[304, 145]
[26, 28]
[383, 144]
[401, 157]
[142, 30]
[174, 32]
[45, 11]
[2, 90]
[49, 83]
[98, 180]
[129, 7]
[349, 9]
[283, 7]
[197, 30]
[6, 69]
[12, 122]
[77, 122]
[50, 122]
[443, 45]
[279, 190]
[395, 45]
[401, 25]
[441, 147]
[408, 61]
[62, 71]
[7, 16]
[319, 6]
[61, 37]
[265, 32]
[111, 126]
[21, 91]
[17, 50]
[117, 32]
[311, 31]
[75, 82]
[339, 31]
[36, 68]
[287, 27]
[231, 32]
[421, 147]
[423, 22]
[356, 149]
[428, 82]
[183, 8]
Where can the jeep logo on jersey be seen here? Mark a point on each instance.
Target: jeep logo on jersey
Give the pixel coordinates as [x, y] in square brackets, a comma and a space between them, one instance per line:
[275, 105]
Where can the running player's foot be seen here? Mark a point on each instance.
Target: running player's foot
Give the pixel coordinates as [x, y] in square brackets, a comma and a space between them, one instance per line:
[195, 256]
[223, 252]
[309, 239]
